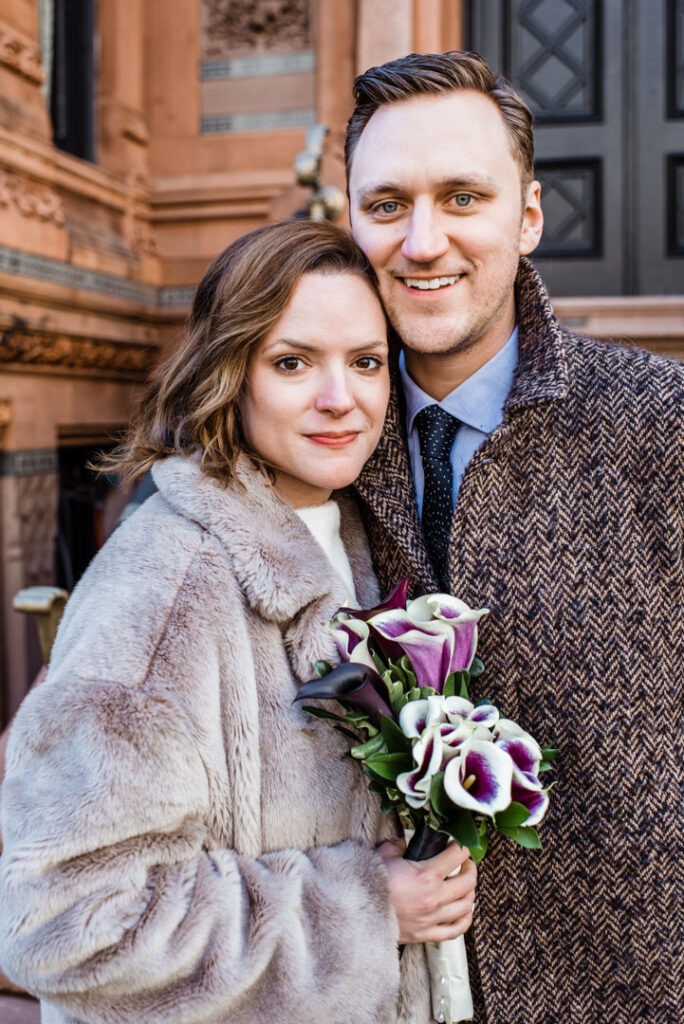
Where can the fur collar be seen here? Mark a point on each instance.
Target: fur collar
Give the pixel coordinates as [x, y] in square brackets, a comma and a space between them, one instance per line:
[283, 573]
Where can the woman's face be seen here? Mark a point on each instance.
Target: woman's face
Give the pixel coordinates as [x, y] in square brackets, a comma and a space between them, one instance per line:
[317, 387]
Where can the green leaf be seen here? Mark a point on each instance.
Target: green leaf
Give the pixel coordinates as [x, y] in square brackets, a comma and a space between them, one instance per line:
[461, 826]
[380, 665]
[550, 753]
[482, 701]
[526, 837]
[322, 668]
[347, 732]
[427, 691]
[449, 688]
[371, 746]
[394, 738]
[395, 671]
[407, 667]
[388, 766]
[322, 713]
[441, 803]
[477, 668]
[513, 816]
[461, 680]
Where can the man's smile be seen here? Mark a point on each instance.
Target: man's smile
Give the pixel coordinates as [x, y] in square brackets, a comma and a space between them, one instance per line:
[425, 284]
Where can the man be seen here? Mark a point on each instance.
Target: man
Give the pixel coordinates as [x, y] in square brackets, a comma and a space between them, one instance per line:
[547, 470]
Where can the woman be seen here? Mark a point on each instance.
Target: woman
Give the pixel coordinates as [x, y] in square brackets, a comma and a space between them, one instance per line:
[182, 842]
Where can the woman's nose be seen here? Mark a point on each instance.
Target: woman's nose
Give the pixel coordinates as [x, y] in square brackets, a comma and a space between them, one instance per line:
[335, 395]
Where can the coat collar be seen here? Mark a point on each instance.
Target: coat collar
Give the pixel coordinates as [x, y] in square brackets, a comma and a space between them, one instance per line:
[386, 483]
[278, 565]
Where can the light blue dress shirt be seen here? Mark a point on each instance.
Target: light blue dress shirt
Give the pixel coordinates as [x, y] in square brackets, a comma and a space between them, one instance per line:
[478, 403]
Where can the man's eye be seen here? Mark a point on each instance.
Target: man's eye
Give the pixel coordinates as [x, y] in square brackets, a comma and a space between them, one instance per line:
[289, 363]
[463, 199]
[389, 206]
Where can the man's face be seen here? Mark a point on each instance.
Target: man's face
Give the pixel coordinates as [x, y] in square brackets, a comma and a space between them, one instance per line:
[437, 204]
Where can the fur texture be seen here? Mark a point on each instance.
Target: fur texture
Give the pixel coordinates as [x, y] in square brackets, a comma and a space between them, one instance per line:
[182, 843]
[569, 526]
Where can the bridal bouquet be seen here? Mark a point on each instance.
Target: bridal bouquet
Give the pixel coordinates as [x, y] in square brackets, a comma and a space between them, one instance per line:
[451, 769]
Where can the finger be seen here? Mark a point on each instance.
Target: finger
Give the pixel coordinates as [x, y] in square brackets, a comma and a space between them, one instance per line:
[451, 858]
[451, 913]
[450, 931]
[457, 888]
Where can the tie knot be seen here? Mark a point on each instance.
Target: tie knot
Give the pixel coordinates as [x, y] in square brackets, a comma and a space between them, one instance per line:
[437, 431]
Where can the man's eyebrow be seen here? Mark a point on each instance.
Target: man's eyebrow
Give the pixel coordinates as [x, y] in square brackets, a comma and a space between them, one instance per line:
[472, 180]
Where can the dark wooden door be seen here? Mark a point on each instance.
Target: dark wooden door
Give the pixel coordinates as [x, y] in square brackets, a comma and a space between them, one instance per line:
[605, 79]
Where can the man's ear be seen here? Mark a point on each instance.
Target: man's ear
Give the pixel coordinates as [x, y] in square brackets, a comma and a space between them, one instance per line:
[532, 220]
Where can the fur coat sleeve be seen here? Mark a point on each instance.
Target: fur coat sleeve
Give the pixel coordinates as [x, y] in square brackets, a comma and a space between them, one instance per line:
[139, 881]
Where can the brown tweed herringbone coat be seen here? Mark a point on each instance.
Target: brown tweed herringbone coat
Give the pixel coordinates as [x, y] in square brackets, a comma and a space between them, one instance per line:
[568, 526]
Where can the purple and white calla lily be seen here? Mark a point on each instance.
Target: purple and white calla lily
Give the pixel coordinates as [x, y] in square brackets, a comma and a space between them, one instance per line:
[427, 753]
[351, 639]
[480, 778]
[418, 715]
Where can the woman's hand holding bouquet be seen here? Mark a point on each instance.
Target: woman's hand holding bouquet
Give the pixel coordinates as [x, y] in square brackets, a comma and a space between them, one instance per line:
[448, 767]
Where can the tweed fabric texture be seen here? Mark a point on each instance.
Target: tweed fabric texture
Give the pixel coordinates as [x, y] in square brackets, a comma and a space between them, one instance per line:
[437, 431]
[568, 526]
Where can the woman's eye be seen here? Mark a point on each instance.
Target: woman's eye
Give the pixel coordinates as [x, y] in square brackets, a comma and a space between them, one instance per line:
[289, 363]
[369, 363]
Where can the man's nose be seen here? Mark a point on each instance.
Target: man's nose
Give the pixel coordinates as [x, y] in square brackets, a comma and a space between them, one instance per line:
[335, 395]
[426, 238]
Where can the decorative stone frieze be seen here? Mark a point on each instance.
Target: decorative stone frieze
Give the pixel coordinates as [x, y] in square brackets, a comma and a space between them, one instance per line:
[36, 499]
[37, 348]
[30, 200]
[238, 27]
[20, 54]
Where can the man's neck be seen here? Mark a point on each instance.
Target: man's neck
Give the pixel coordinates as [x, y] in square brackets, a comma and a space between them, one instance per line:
[438, 374]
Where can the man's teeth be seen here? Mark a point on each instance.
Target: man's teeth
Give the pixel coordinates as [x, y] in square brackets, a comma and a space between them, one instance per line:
[432, 282]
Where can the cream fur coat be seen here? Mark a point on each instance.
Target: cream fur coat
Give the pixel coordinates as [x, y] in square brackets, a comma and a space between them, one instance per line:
[182, 843]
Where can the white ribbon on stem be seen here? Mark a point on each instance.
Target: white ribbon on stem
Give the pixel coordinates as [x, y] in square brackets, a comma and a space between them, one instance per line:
[452, 1000]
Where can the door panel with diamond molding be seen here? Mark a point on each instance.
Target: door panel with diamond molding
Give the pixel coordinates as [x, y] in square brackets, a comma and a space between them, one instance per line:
[605, 80]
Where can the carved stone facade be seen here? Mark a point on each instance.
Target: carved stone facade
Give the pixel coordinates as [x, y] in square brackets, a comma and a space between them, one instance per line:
[20, 54]
[37, 348]
[236, 28]
[37, 498]
[30, 200]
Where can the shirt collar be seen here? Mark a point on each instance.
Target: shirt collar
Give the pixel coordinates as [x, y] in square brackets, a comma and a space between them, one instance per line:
[479, 401]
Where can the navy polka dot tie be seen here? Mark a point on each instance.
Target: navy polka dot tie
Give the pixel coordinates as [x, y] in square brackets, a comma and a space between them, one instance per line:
[437, 431]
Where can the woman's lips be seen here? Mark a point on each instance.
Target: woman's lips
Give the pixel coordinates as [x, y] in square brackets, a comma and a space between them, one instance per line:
[334, 440]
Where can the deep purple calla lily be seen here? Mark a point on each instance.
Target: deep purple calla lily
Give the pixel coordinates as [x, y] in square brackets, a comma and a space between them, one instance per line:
[354, 685]
[396, 599]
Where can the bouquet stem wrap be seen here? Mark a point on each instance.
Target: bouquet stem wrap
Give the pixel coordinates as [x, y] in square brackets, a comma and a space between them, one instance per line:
[447, 961]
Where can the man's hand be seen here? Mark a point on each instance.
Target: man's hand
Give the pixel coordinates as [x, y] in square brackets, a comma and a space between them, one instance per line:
[430, 906]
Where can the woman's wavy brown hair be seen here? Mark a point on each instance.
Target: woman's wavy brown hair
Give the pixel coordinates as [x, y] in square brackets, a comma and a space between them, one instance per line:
[191, 403]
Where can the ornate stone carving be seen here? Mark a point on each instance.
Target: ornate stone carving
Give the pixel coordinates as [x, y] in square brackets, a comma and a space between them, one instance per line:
[37, 498]
[21, 55]
[31, 200]
[237, 27]
[19, 345]
[145, 241]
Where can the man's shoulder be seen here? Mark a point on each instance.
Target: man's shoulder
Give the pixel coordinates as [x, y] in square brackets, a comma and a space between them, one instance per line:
[624, 372]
